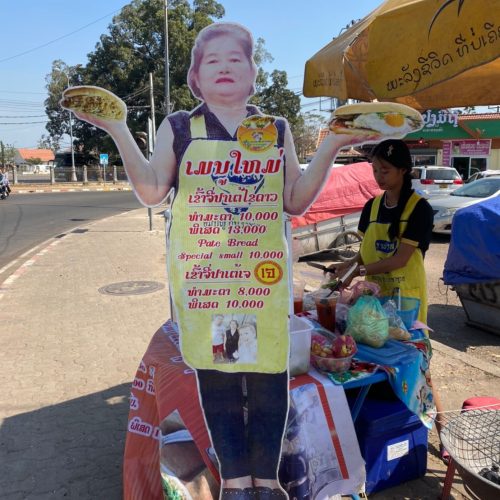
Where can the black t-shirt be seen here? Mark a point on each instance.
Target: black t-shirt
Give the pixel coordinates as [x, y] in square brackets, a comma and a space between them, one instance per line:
[418, 229]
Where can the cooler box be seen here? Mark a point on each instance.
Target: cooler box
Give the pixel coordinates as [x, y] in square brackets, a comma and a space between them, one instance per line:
[393, 442]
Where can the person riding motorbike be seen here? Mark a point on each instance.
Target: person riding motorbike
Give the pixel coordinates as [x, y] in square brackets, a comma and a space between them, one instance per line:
[4, 185]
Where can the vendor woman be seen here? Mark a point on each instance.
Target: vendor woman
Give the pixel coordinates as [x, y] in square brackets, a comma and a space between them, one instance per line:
[216, 134]
[396, 228]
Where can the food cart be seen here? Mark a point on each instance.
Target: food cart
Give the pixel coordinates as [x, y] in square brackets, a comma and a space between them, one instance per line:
[472, 266]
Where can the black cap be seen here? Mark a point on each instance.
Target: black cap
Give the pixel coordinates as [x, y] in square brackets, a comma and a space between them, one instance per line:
[395, 152]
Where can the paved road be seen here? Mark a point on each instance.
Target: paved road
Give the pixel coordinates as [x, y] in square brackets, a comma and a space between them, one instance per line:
[27, 220]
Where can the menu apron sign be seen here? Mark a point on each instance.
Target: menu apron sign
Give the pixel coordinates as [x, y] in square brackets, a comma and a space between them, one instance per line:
[227, 260]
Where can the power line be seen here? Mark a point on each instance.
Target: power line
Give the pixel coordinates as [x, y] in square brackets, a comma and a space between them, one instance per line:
[25, 116]
[57, 39]
[21, 92]
[21, 123]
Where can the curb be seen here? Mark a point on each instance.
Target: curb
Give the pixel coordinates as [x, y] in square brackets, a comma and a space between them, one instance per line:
[73, 189]
[23, 262]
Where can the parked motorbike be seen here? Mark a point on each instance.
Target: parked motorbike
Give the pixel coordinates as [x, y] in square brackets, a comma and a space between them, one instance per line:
[4, 188]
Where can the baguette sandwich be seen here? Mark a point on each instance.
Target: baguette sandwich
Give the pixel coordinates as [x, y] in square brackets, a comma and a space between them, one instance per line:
[383, 119]
[94, 101]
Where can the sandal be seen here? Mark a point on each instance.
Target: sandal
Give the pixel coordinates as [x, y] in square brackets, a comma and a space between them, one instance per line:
[443, 454]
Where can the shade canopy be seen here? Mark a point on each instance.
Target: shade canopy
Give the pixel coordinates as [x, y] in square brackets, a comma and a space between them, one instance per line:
[423, 53]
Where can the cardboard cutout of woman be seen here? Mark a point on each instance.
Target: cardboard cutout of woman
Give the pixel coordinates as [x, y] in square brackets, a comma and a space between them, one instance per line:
[235, 174]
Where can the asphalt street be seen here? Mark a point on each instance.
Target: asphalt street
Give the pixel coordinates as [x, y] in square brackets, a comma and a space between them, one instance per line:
[28, 220]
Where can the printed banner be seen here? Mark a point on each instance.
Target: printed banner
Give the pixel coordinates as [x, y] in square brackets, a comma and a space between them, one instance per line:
[228, 254]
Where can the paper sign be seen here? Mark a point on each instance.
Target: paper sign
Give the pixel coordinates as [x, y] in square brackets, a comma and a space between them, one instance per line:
[398, 450]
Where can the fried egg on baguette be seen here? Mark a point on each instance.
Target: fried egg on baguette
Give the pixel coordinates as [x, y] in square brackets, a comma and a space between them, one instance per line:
[376, 119]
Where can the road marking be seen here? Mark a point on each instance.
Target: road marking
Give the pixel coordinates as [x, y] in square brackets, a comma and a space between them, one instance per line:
[7, 283]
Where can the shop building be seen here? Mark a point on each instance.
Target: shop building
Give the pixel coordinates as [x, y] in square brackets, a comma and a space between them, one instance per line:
[469, 143]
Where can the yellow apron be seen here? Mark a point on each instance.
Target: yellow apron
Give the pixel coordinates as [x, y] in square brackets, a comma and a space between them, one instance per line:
[376, 246]
[227, 250]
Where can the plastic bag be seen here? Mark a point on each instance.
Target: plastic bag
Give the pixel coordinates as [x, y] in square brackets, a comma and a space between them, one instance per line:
[341, 313]
[361, 288]
[346, 296]
[367, 322]
[397, 329]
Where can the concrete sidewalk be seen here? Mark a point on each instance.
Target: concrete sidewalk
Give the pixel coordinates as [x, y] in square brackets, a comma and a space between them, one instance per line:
[69, 353]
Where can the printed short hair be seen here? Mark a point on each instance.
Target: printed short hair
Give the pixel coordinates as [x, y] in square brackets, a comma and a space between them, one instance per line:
[210, 32]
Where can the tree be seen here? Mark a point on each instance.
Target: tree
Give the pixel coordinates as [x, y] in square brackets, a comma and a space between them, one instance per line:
[57, 80]
[277, 100]
[306, 134]
[33, 161]
[123, 59]
[8, 153]
[261, 56]
[133, 48]
[48, 142]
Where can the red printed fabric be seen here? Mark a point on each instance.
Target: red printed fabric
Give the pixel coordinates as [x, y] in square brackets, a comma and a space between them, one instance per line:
[346, 191]
[163, 384]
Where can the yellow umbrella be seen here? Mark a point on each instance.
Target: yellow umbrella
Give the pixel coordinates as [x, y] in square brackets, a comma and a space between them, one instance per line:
[423, 53]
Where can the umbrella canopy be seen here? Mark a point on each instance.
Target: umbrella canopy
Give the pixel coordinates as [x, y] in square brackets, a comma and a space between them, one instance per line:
[423, 53]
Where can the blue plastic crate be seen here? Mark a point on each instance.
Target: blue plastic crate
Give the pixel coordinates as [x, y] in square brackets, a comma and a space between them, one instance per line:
[393, 442]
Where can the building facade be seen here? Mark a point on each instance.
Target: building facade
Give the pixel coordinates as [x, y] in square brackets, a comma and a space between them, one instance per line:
[469, 143]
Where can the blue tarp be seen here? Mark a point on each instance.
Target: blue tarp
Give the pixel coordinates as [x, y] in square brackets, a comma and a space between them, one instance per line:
[474, 251]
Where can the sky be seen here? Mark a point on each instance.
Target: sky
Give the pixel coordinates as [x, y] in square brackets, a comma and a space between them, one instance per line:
[34, 33]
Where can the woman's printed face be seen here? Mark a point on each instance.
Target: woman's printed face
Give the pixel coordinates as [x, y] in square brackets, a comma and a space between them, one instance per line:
[387, 175]
[233, 324]
[225, 74]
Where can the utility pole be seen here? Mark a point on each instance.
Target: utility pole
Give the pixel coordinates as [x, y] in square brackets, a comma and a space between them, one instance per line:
[167, 64]
[152, 107]
[152, 138]
[73, 169]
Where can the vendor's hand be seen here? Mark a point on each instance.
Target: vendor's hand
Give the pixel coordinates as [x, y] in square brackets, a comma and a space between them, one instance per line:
[347, 282]
[337, 270]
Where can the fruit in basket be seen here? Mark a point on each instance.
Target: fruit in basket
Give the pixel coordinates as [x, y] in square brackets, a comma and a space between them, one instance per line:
[322, 350]
[343, 346]
[332, 356]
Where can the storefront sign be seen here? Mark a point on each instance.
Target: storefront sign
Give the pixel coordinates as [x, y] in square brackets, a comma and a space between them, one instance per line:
[439, 124]
[434, 119]
[472, 147]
